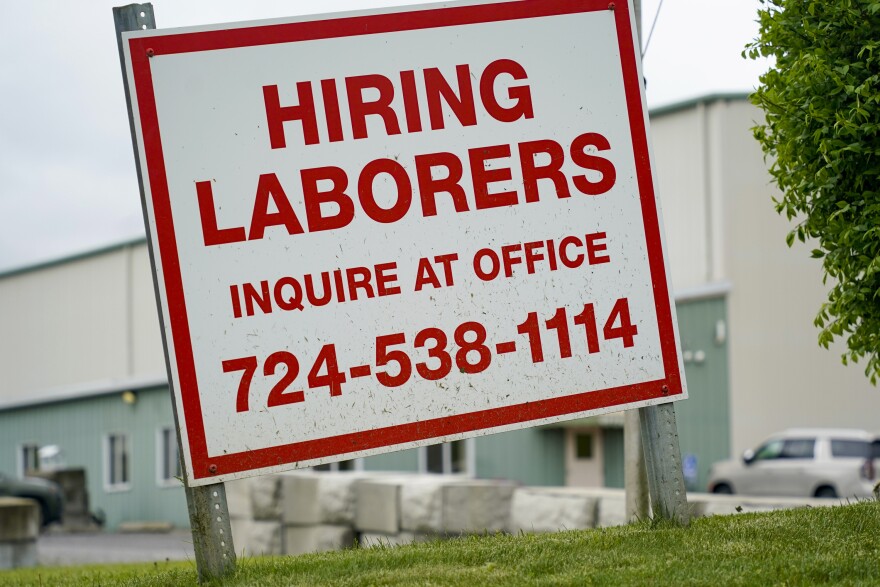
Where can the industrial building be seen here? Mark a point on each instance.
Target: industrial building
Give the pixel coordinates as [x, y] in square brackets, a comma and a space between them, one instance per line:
[84, 369]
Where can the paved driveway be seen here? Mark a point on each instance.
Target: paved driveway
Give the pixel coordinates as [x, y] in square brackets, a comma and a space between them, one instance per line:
[78, 549]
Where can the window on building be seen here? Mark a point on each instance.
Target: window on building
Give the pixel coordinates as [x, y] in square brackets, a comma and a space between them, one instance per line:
[28, 458]
[449, 457]
[117, 462]
[583, 444]
[352, 465]
[167, 458]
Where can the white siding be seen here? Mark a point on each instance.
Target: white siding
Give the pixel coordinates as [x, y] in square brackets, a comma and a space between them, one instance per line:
[72, 323]
[780, 377]
[678, 155]
[721, 226]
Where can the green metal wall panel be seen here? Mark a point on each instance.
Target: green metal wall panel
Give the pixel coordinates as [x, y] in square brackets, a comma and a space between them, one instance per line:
[612, 456]
[532, 456]
[79, 428]
[404, 460]
[704, 418]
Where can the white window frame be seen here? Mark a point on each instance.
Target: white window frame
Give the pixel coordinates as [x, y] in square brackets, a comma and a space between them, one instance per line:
[116, 487]
[20, 458]
[470, 459]
[162, 453]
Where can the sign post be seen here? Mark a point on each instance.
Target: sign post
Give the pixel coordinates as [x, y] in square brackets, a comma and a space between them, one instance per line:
[208, 511]
[380, 230]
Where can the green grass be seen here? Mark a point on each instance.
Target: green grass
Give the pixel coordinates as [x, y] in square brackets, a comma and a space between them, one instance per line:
[830, 546]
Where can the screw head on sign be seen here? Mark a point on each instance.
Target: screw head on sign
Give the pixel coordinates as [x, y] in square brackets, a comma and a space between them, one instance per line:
[212, 469]
[611, 6]
[664, 390]
[150, 52]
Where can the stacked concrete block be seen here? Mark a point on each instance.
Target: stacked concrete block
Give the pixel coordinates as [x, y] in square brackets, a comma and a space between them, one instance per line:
[255, 515]
[19, 528]
[318, 511]
[539, 509]
[611, 509]
[421, 505]
[379, 510]
[475, 506]
[437, 505]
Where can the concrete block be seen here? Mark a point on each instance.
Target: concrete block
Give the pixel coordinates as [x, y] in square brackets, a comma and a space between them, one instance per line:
[321, 538]
[546, 510]
[253, 538]
[238, 498]
[300, 498]
[611, 510]
[378, 506]
[379, 539]
[421, 505]
[337, 497]
[19, 519]
[266, 497]
[474, 506]
[16, 555]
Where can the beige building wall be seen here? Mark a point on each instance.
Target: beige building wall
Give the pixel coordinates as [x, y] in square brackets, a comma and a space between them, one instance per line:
[78, 325]
[721, 226]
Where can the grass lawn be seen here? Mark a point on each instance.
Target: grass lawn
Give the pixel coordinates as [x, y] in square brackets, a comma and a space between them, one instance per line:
[818, 546]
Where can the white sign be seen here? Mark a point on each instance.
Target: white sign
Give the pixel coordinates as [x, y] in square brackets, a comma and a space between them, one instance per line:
[376, 231]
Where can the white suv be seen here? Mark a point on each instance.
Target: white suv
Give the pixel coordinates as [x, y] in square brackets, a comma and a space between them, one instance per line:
[808, 462]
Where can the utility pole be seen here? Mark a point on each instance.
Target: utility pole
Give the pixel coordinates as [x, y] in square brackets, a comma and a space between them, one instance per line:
[656, 430]
[634, 475]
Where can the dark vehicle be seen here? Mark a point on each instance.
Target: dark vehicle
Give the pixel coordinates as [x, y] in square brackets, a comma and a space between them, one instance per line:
[45, 493]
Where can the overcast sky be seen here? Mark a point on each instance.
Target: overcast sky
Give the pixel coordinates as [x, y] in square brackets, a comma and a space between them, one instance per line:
[67, 177]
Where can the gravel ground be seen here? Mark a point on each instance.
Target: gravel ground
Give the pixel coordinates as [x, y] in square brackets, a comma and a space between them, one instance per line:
[102, 547]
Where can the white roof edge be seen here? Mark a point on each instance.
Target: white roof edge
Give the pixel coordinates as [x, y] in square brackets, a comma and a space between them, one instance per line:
[86, 390]
[702, 292]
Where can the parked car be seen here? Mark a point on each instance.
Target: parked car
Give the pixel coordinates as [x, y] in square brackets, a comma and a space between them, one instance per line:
[809, 462]
[45, 493]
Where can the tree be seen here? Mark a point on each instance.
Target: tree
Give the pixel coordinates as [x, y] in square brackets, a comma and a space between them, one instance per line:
[822, 135]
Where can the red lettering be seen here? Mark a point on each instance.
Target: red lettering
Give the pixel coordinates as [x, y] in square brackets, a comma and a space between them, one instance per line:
[210, 233]
[563, 252]
[313, 198]
[359, 278]
[462, 105]
[410, 101]
[591, 162]
[492, 273]
[262, 298]
[331, 110]
[522, 97]
[277, 115]
[507, 256]
[429, 186]
[531, 172]
[360, 109]
[367, 196]
[446, 261]
[425, 275]
[385, 282]
[270, 187]
[482, 177]
[532, 255]
[593, 247]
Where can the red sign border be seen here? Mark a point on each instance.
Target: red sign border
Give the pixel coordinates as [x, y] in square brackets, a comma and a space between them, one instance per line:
[206, 466]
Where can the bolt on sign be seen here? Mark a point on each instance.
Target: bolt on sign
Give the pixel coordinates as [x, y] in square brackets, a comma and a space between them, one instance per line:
[384, 229]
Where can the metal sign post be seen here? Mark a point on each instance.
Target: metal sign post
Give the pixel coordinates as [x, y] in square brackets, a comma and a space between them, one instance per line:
[208, 512]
